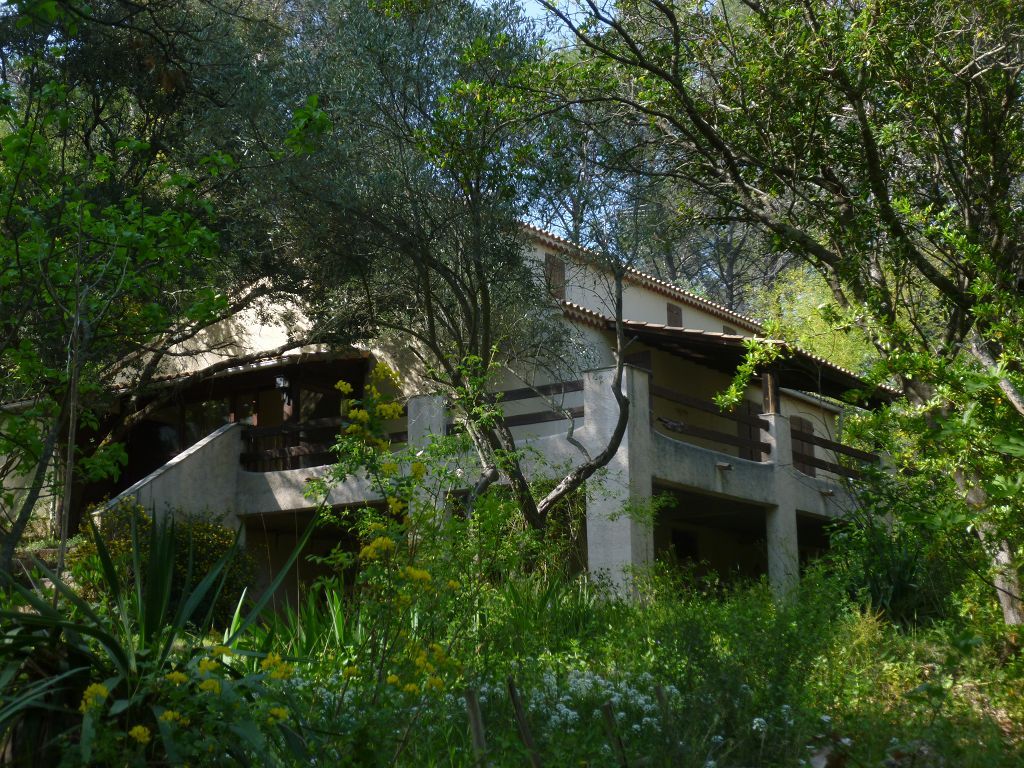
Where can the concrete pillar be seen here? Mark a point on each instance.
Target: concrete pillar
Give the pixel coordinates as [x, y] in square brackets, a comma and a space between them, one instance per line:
[617, 538]
[427, 419]
[780, 520]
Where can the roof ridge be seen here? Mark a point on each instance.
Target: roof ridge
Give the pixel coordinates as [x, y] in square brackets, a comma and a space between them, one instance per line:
[682, 293]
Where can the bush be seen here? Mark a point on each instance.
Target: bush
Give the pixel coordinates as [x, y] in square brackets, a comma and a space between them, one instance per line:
[139, 682]
[199, 543]
[906, 550]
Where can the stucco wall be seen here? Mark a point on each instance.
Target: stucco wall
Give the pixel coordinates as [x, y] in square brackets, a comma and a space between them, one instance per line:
[200, 480]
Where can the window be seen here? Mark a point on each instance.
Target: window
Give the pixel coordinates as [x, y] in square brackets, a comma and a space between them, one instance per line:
[675, 316]
[554, 275]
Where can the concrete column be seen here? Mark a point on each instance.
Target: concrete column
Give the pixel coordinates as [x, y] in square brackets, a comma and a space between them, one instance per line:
[427, 419]
[618, 538]
[780, 520]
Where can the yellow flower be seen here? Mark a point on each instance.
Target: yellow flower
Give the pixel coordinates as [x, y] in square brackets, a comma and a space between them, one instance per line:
[176, 677]
[93, 697]
[170, 716]
[276, 667]
[140, 733]
[358, 415]
[437, 650]
[382, 372]
[211, 686]
[453, 584]
[396, 505]
[411, 688]
[206, 666]
[389, 468]
[281, 673]
[220, 650]
[353, 429]
[393, 680]
[416, 574]
[350, 672]
[418, 469]
[377, 548]
[436, 683]
[388, 411]
[277, 715]
[344, 387]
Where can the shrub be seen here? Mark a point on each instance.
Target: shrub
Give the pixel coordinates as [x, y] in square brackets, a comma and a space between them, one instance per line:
[906, 550]
[199, 543]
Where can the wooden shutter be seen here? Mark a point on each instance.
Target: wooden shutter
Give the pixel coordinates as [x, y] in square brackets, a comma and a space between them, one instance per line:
[554, 275]
[797, 425]
[747, 431]
[675, 316]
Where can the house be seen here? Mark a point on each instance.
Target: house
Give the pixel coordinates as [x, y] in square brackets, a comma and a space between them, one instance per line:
[750, 490]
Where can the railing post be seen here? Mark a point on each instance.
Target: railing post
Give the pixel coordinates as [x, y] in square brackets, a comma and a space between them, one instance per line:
[780, 520]
[619, 536]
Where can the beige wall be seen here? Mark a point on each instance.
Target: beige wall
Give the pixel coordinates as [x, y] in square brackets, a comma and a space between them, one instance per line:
[590, 287]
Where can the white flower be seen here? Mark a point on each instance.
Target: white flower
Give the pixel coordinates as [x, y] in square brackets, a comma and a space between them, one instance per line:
[759, 725]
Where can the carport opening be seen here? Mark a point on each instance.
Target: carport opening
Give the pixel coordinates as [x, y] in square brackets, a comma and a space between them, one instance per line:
[812, 535]
[711, 535]
[271, 538]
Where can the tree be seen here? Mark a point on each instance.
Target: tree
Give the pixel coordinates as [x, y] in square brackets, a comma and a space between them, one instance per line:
[877, 142]
[418, 191]
[111, 258]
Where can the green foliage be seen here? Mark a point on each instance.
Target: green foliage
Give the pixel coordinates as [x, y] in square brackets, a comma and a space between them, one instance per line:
[861, 138]
[801, 309]
[200, 543]
[759, 355]
[905, 550]
[133, 680]
[433, 602]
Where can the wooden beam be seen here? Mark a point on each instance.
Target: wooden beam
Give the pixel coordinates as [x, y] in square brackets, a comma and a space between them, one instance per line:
[770, 390]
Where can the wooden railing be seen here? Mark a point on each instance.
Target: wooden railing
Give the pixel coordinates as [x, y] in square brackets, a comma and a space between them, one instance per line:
[753, 444]
[526, 419]
[289, 446]
[750, 443]
[292, 446]
[809, 460]
[308, 444]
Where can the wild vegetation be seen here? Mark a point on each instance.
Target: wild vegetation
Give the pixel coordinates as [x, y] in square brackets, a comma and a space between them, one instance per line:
[447, 638]
[850, 170]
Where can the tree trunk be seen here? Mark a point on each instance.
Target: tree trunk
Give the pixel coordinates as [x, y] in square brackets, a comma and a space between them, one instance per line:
[28, 503]
[1005, 572]
[1005, 576]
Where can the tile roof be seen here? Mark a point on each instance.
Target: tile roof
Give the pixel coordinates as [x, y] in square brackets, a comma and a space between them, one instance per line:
[650, 281]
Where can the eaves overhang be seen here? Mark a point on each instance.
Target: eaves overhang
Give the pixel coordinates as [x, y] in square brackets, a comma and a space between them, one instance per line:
[795, 368]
